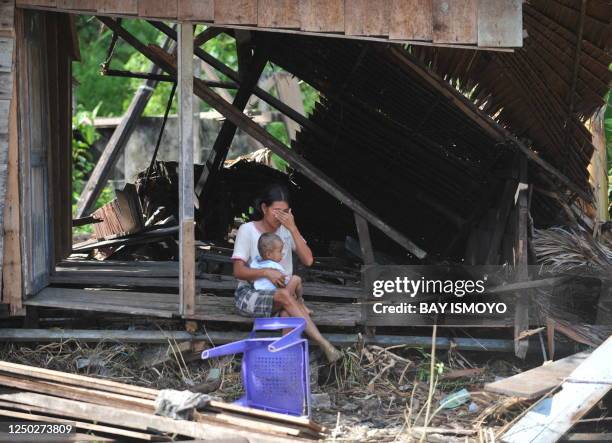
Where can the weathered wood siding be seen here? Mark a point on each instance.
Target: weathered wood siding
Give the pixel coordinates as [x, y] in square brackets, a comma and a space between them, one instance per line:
[475, 23]
[10, 257]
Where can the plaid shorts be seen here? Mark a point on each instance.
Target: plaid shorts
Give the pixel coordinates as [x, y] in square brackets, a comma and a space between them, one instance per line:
[253, 303]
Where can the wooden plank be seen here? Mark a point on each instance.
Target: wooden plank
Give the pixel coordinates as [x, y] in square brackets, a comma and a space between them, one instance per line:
[411, 20]
[77, 380]
[77, 424]
[236, 12]
[598, 168]
[504, 207]
[6, 85]
[166, 305]
[553, 416]
[454, 21]
[537, 381]
[139, 420]
[196, 10]
[367, 17]
[78, 393]
[157, 8]
[500, 23]
[365, 243]
[4, 121]
[322, 15]
[186, 191]
[79, 5]
[289, 92]
[7, 13]
[521, 310]
[206, 282]
[121, 7]
[42, 3]
[278, 14]
[6, 55]
[12, 290]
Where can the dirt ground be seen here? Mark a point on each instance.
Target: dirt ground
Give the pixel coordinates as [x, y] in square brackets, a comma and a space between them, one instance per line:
[374, 394]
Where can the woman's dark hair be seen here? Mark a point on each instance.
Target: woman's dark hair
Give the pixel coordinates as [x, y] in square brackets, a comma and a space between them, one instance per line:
[270, 194]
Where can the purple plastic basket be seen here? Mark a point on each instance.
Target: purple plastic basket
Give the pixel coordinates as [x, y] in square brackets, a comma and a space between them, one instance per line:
[275, 371]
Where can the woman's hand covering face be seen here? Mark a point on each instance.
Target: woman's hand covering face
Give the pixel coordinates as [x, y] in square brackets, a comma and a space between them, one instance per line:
[285, 218]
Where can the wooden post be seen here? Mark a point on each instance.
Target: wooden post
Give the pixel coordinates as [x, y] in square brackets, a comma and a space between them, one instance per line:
[367, 256]
[186, 149]
[365, 243]
[521, 313]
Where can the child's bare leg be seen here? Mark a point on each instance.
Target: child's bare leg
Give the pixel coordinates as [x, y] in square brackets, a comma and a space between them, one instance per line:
[293, 284]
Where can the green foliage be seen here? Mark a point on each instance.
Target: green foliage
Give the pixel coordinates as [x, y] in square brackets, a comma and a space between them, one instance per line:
[84, 136]
[608, 134]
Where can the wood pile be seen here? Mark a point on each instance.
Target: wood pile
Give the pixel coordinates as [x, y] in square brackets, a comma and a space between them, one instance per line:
[121, 216]
[116, 410]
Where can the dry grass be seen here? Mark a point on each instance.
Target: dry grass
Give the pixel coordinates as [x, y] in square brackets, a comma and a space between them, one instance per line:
[378, 394]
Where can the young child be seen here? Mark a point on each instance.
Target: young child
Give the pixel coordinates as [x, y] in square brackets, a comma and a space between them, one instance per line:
[270, 247]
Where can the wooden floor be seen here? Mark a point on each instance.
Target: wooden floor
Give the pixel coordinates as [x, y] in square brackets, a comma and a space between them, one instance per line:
[145, 274]
[208, 308]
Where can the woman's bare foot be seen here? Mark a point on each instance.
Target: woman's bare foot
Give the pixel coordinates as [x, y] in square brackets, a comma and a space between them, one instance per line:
[331, 353]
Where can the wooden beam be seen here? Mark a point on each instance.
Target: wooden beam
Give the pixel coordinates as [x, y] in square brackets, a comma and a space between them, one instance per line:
[493, 129]
[505, 205]
[186, 149]
[12, 290]
[257, 132]
[365, 243]
[521, 313]
[228, 129]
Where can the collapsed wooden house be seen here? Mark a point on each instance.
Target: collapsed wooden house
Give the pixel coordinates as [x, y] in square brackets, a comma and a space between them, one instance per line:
[437, 145]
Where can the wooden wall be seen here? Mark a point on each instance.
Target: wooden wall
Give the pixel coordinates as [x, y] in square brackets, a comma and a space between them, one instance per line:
[10, 247]
[475, 23]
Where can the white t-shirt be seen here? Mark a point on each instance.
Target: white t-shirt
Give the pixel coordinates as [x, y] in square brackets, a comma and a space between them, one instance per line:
[265, 284]
[245, 246]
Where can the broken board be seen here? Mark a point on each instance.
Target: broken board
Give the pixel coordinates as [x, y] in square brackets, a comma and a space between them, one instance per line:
[537, 381]
[553, 416]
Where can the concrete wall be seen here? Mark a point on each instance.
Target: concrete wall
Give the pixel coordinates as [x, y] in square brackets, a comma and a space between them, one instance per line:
[141, 145]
